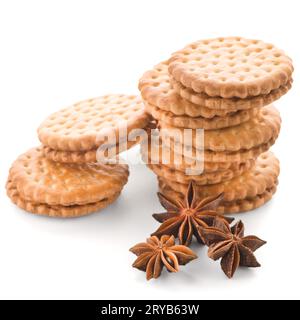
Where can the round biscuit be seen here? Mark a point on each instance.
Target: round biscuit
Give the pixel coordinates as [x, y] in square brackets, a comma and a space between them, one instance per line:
[57, 211]
[88, 124]
[40, 180]
[231, 67]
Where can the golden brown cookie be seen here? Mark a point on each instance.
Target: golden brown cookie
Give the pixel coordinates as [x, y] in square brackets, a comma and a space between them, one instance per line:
[57, 210]
[40, 180]
[230, 120]
[261, 129]
[218, 103]
[231, 67]
[86, 125]
[229, 207]
[256, 181]
[169, 174]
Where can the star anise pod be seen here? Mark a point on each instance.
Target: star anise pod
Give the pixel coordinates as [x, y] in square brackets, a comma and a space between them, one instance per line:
[188, 217]
[231, 245]
[157, 253]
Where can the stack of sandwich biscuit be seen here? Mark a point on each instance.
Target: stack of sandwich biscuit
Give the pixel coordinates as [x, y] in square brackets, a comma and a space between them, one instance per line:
[63, 178]
[225, 86]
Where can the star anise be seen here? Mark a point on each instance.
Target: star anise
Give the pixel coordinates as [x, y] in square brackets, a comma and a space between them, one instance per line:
[157, 253]
[185, 218]
[231, 245]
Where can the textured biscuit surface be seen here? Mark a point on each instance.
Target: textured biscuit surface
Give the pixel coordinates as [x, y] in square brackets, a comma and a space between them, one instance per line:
[219, 103]
[231, 67]
[40, 180]
[229, 207]
[261, 129]
[85, 125]
[230, 120]
[57, 210]
[263, 176]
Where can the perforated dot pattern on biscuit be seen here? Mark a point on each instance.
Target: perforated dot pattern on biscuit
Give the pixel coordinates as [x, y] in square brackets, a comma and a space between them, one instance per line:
[83, 126]
[231, 67]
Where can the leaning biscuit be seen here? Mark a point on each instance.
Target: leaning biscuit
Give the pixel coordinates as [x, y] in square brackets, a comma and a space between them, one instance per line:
[262, 177]
[40, 180]
[231, 67]
[88, 124]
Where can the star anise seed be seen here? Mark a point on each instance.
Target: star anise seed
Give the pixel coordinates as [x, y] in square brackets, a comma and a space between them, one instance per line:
[230, 245]
[157, 253]
[185, 218]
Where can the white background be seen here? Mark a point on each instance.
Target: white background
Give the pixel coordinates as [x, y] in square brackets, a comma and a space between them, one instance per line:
[54, 53]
